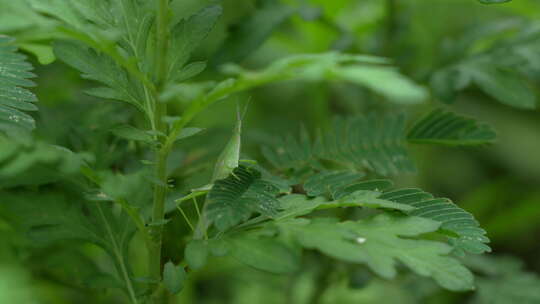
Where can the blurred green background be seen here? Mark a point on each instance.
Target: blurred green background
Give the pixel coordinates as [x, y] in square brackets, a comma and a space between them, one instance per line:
[497, 183]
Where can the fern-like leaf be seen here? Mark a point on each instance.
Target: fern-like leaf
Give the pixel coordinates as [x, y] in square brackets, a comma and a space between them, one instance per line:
[289, 152]
[373, 142]
[447, 128]
[367, 142]
[467, 234]
[330, 182]
[14, 98]
[463, 230]
[234, 199]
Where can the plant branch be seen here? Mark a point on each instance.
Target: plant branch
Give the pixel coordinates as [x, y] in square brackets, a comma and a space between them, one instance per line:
[160, 188]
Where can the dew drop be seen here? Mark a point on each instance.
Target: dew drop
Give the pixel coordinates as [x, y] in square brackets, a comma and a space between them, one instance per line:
[361, 240]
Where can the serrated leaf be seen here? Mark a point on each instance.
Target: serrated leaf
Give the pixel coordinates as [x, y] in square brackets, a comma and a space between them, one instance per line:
[186, 37]
[381, 242]
[196, 254]
[264, 254]
[14, 97]
[232, 200]
[446, 128]
[173, 277]
[131, 133]
[101, 68]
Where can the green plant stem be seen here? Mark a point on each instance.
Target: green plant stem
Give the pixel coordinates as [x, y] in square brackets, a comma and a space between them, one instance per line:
[158, 213]
[160, 189]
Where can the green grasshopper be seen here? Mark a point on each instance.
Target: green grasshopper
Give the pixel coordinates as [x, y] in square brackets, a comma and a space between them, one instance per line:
[229, 158]
[227, 161]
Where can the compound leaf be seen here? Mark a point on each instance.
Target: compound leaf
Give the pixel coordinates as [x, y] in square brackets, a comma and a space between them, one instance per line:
[468, 236]
[447, 128]
[101, 68]
[379, 243]
[343, 190]
[233, 199]
[14, 97]
[373, 142]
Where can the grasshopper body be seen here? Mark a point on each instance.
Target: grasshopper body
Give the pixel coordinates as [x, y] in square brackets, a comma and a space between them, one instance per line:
[229, 158]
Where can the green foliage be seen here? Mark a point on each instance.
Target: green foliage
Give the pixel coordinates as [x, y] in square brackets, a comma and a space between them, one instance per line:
[36, 163]
[468, 235]
[173, 277]
[186, 37]
[264, 254]
[252, 32]
[347, 190]
[378, 243]
[504, 280]
[503, 70]
[88, 200]
[196, 254]
[14, 97]
[101, 68]
[232, 200]
[373, 142]
[447, 128]
[62, 217]
[494, 1]
[366, 71]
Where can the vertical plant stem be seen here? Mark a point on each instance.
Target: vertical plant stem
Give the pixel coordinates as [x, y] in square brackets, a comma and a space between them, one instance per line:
[160, 189]
[158, 214]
